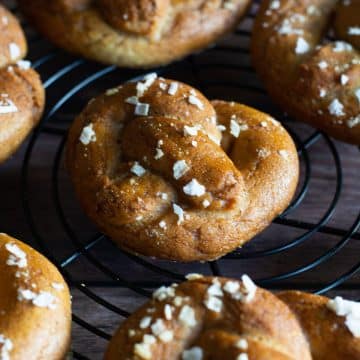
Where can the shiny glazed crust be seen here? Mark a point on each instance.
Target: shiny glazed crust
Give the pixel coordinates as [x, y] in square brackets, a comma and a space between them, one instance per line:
[21, 91]
[35, 310]
[141, 33]
[315, 82]
[243, 184]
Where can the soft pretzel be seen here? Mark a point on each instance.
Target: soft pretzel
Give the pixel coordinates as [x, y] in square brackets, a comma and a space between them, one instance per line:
[134, 33]
[315, 82]
[217, 318]
[147, 168]
[21, 92]
[35, 311]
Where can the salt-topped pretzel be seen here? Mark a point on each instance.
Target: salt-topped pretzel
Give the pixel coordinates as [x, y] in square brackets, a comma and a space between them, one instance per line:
[315, 82]
[211, 318]
[166, 173]
[21, 92]
[134, 33]
[218, 318]
[332, 327]
[35, 313]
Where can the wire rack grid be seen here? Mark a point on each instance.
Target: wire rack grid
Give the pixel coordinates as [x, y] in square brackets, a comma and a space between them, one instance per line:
[89, 260]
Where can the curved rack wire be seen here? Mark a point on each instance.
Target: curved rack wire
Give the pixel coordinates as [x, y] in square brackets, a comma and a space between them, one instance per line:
[69, 87]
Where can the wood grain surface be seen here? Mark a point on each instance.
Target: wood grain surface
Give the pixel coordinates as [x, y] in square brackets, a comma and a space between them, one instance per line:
[34, 183]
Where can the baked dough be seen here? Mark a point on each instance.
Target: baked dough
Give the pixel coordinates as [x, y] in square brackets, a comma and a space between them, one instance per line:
[315, 82]
[35, 311]
[21, 91]
[147, 168]
[218, 318]
[136, 33]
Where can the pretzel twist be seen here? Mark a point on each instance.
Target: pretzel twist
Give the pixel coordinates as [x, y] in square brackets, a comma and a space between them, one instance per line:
[141, 33]
[35, 309]
[315, 82]
[21, 92]
[151, 174]
[218, 318]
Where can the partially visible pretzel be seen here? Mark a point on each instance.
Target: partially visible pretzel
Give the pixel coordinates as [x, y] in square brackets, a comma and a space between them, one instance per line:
[134, 33]
[147, 168]
[314, 82]
[35, 308]
[218, 318]
[21, 92]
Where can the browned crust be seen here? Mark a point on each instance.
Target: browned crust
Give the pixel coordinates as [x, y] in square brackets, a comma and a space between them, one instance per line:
[325, 97]
[266, 323]
[153, 33]
[35, 332]
[247, 185]
[21, 86]
[326, 332]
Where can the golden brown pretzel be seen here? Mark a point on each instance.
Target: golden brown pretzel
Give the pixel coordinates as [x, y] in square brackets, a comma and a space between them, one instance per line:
[218, 318]
[21, 92]
[136, 33]
[35, 311]
[314, 82]
[159, 184]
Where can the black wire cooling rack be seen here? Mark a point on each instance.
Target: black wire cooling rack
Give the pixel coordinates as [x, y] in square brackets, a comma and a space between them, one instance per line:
[293, 253]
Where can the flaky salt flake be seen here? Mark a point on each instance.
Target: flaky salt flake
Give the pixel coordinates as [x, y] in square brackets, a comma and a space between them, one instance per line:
[322, 65]
[180, 168]
[191, 130]
[193, 100]
[110, 92]
[348, 309]
[193, 276]
[166, 336]
[344, 79]
[249, 288]
[137, 169]
[206, 203]
[340, 46]
[354, 30]
[14, 51]
[242, 344]
[159, 154]
[179, 212]
[194, 188]
[142, 109]
[336, 108]
[23, 64]
[145, 322]
[162, 224]
[168, 311]
[242, 356]
[231, 287]
[302, 46]
[88, 135]
[214, 304]
[173, 88]
[143, 86]
[7, 106]
[353, 121]
[6, 346]
[195, 353]
[17, 256]
[163, 293]
[187, 316]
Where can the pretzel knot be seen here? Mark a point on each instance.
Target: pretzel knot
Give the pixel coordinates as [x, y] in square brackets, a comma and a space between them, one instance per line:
[314, 82]
[136, 33]
[21, 92]
[217, 318]
[166, 173]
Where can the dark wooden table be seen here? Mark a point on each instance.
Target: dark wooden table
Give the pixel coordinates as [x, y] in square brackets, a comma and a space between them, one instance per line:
[38, 205]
